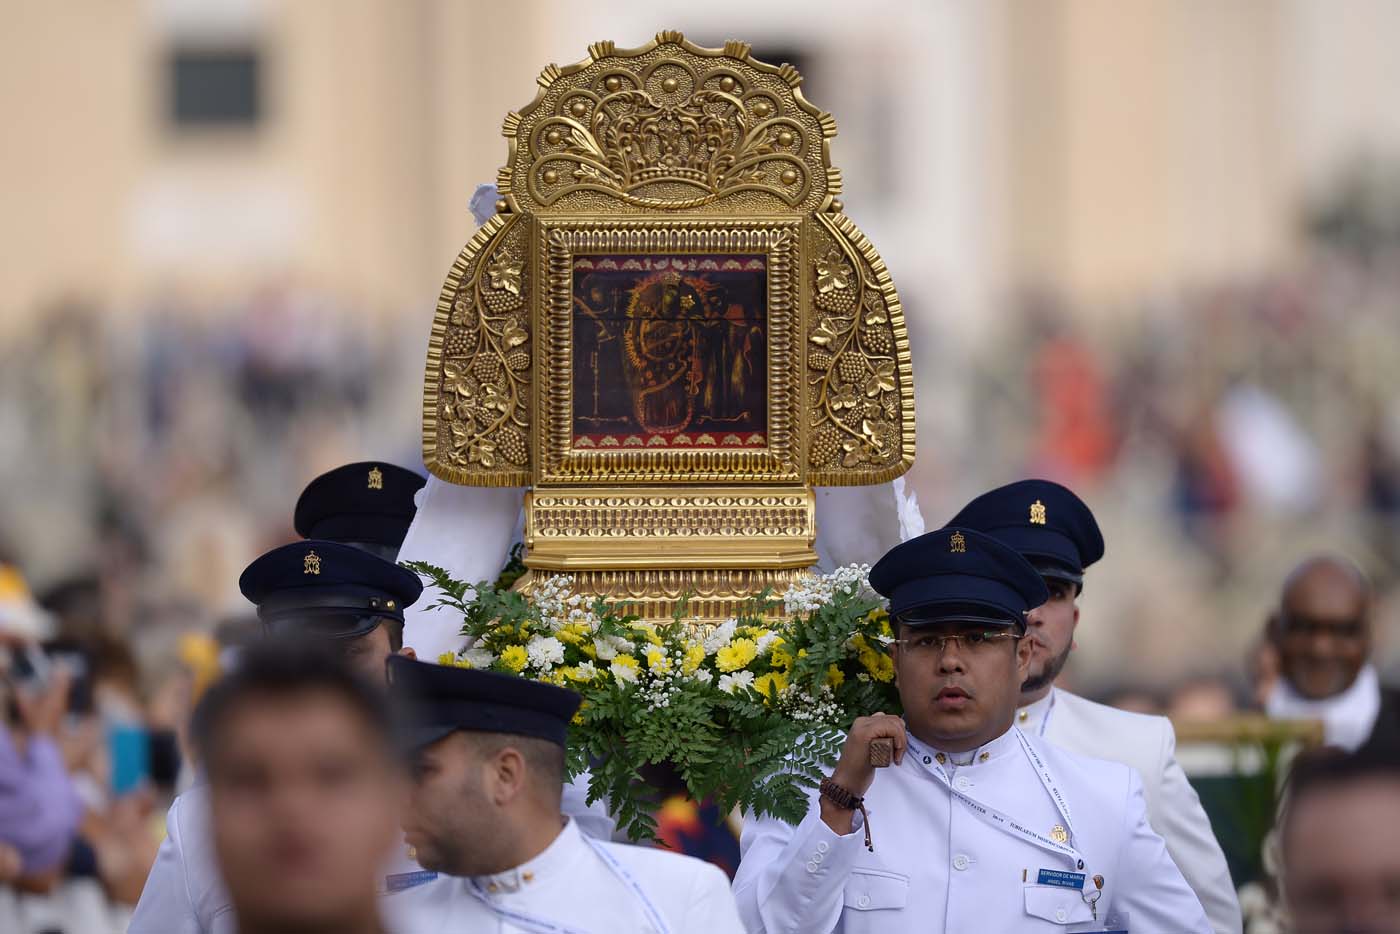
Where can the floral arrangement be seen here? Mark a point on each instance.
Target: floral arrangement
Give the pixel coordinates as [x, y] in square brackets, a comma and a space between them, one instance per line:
[749, 713]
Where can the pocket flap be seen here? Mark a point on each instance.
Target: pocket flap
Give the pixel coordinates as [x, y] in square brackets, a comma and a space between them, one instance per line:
[871, 889]
[1057, 904]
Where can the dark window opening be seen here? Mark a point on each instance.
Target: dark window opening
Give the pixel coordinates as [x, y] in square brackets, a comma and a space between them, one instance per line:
[215, 87]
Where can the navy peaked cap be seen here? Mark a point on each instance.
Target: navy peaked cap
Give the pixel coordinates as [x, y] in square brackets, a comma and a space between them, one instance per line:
[327, 588]
[369, 505]
[958, 574]
[438, 700]
[1044, 521]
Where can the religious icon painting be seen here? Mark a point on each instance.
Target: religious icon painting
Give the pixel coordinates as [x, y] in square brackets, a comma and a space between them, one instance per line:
[670, 351]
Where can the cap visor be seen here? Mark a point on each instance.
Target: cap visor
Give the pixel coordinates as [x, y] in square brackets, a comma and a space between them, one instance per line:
[411, 739]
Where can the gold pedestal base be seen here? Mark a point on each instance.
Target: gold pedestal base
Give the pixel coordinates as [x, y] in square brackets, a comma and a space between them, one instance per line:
[649, 548]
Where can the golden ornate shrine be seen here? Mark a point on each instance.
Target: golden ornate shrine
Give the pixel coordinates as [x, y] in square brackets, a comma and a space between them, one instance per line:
[669, 330]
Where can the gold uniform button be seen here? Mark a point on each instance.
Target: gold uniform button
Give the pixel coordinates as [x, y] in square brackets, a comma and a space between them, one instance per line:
[528, 876]
[493, 887]
[1059, 834]
[1024, 716]
[984, 757]
[941, 758]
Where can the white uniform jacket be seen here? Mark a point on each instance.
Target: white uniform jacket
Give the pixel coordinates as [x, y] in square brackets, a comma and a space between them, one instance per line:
[938, 866]
[185, 895]
[571, 888]
[1148, 746]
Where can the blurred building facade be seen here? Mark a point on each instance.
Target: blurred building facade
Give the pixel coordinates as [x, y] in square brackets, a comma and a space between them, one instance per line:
[1094, 212]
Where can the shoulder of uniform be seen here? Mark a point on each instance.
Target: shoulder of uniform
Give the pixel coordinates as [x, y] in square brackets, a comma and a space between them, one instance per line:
[1079, 767]
[1115, 718]
[662, 862]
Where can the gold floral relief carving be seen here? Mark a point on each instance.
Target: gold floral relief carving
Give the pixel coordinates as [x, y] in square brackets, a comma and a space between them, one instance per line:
[859, 376]
[479, 390]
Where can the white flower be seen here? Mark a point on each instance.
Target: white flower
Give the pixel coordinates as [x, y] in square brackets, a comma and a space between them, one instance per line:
[703, 676]
[478, 658]
[766, 640]
[544, 652]
[739, 679]
[810, 592]
[607, 647]
[720, 636]
[587, 671]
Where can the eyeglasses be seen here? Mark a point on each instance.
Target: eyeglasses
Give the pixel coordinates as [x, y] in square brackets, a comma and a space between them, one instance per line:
[1302, 627]
[930, 645]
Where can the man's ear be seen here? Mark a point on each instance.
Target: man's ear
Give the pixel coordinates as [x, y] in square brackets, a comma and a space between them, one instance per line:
[508, 775]
[407, 652]
[1024, 648]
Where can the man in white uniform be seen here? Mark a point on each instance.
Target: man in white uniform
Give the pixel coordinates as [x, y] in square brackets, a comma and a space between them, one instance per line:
[1055, 531]
[355, 602]
[976, 826]
[487, 763]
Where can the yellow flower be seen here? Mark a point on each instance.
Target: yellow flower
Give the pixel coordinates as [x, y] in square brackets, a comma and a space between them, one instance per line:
[781, 659]
[835, 677]
[770, 685]
[649, 631]
[736, 655]
[580, 673]
[657, 660]
[880, 665]
[587, 649]
[624, 668]
[447, 658]
[514, 657]
[694, 658]
[578, 714]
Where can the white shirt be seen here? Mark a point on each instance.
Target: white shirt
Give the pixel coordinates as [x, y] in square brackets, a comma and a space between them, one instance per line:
[184, 893]
[1347, 718]
[571, 886]
[1147, 745]
[939, 867]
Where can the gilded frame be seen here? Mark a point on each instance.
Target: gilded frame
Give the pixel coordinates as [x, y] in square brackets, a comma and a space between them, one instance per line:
[560, 239]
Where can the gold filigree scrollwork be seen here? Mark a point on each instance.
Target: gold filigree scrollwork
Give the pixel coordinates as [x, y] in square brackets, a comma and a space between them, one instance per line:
[859, 373]
[477, 391]
[669, 125]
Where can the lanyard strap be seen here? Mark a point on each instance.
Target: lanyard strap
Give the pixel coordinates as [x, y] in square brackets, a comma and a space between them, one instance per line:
[1049, 709]
[639, 893]
[1004, 823]
[546, 926]
[520, 918]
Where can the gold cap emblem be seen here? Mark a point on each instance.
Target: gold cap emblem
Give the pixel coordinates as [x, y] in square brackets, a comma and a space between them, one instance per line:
[957, 544]
[311, 564]
[1037, 513]
[1059, 834]
[376, 478]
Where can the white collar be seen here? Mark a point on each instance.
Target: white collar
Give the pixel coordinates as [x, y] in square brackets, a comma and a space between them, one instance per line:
[987, 752]
[553, 861]
[1347, 718]
[1033, 714]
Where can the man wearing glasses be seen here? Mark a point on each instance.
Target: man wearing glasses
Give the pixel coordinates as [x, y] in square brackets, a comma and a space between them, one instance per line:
[974, 825]
[1322, 632]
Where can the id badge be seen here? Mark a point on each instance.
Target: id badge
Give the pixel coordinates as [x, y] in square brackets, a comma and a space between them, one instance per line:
[1114, 922]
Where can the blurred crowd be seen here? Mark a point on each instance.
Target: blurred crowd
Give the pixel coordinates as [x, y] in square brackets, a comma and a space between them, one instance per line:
[1221, 432]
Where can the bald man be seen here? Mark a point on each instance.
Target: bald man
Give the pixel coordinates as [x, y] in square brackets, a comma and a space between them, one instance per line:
[1322, 631]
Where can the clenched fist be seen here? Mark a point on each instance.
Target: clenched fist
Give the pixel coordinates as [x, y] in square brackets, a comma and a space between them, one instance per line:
[853, 770]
